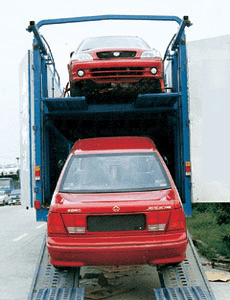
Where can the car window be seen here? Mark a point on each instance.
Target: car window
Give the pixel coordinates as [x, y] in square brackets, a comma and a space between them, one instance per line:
[114, 173]
[15, 192]
[113, 42]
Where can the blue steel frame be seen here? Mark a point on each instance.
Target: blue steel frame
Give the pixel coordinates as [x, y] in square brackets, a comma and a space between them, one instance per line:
[179, 62]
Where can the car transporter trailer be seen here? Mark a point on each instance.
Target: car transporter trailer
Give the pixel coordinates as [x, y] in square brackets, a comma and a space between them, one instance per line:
[185, 280]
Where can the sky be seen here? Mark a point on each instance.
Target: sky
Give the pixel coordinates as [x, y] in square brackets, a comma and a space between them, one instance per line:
[209, 18]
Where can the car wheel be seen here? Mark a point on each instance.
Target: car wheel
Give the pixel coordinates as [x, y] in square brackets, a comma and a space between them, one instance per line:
[61, 268]
[75, 91]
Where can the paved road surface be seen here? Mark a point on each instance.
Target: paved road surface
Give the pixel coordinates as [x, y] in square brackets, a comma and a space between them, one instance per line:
[20, 241]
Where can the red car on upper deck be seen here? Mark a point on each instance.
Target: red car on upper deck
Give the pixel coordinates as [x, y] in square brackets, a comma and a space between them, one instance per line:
[115, 65]
[115, 204]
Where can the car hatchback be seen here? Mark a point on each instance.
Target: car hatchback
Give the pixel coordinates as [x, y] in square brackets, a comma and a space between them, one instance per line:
[115, 204]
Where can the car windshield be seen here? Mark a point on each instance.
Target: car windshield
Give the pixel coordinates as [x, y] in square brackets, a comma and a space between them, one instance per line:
[15, 192]
[114, 173]
[5, 184]
[113, 42]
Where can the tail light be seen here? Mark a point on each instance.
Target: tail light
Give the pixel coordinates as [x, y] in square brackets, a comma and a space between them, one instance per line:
[37, 173]
[75, 223]
[55, 224]
[177, 220]
[157, 221]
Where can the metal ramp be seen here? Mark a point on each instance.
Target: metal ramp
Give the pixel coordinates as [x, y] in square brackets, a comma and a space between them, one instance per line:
[181, 293]
[59, 294]
[185, 280]
[53, 284]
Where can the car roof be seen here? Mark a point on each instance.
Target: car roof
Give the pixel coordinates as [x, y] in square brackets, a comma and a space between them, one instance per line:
[114, 144]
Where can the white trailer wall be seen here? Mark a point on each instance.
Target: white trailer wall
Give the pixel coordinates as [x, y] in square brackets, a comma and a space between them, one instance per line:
[209, 81]
[26, 118]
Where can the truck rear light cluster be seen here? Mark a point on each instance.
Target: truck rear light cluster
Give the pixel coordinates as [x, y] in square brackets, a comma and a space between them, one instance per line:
[37, 204]
[37, 173]
[188, 168]
[177, 220]
[55, 224]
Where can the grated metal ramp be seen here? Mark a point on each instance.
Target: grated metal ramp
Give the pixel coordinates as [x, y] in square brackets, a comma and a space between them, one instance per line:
[186, 279]
[181, 293]
[59, 294]
[50, 283]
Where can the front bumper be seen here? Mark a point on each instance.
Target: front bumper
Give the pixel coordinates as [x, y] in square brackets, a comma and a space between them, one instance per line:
[115, 71]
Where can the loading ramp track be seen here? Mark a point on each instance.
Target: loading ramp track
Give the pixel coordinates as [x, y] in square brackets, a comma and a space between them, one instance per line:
[184, 281]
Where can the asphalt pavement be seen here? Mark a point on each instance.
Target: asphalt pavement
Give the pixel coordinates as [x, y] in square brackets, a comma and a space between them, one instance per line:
[20, 243]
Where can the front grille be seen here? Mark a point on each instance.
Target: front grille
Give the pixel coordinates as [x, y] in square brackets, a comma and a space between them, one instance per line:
[119, 71]
[116, 54]
[116, 223]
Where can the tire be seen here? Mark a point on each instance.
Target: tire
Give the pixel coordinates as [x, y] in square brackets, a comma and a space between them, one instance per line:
[75, 91]
[61, 268]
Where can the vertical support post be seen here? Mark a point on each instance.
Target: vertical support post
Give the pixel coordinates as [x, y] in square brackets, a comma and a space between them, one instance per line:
[30, 105]
[185, 125]
[37, 67]
[45, 136]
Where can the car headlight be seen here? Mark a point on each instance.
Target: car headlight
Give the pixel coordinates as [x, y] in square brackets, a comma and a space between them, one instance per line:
[82, 56]
[151, 54]
[148, 54]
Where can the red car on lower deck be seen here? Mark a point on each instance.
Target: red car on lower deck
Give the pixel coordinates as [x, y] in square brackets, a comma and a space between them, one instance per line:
[115, 204]
[115, 65]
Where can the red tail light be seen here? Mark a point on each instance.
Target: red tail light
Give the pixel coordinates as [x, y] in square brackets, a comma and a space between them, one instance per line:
[156, 221]
[177, 220]
[55, 224]
[75, 223]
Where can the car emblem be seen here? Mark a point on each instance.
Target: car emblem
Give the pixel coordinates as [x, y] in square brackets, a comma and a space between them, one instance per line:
[116, 208]
[116, 53]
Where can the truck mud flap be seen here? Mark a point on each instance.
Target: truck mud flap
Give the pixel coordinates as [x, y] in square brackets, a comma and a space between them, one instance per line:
[59, 294]
[181, 293]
